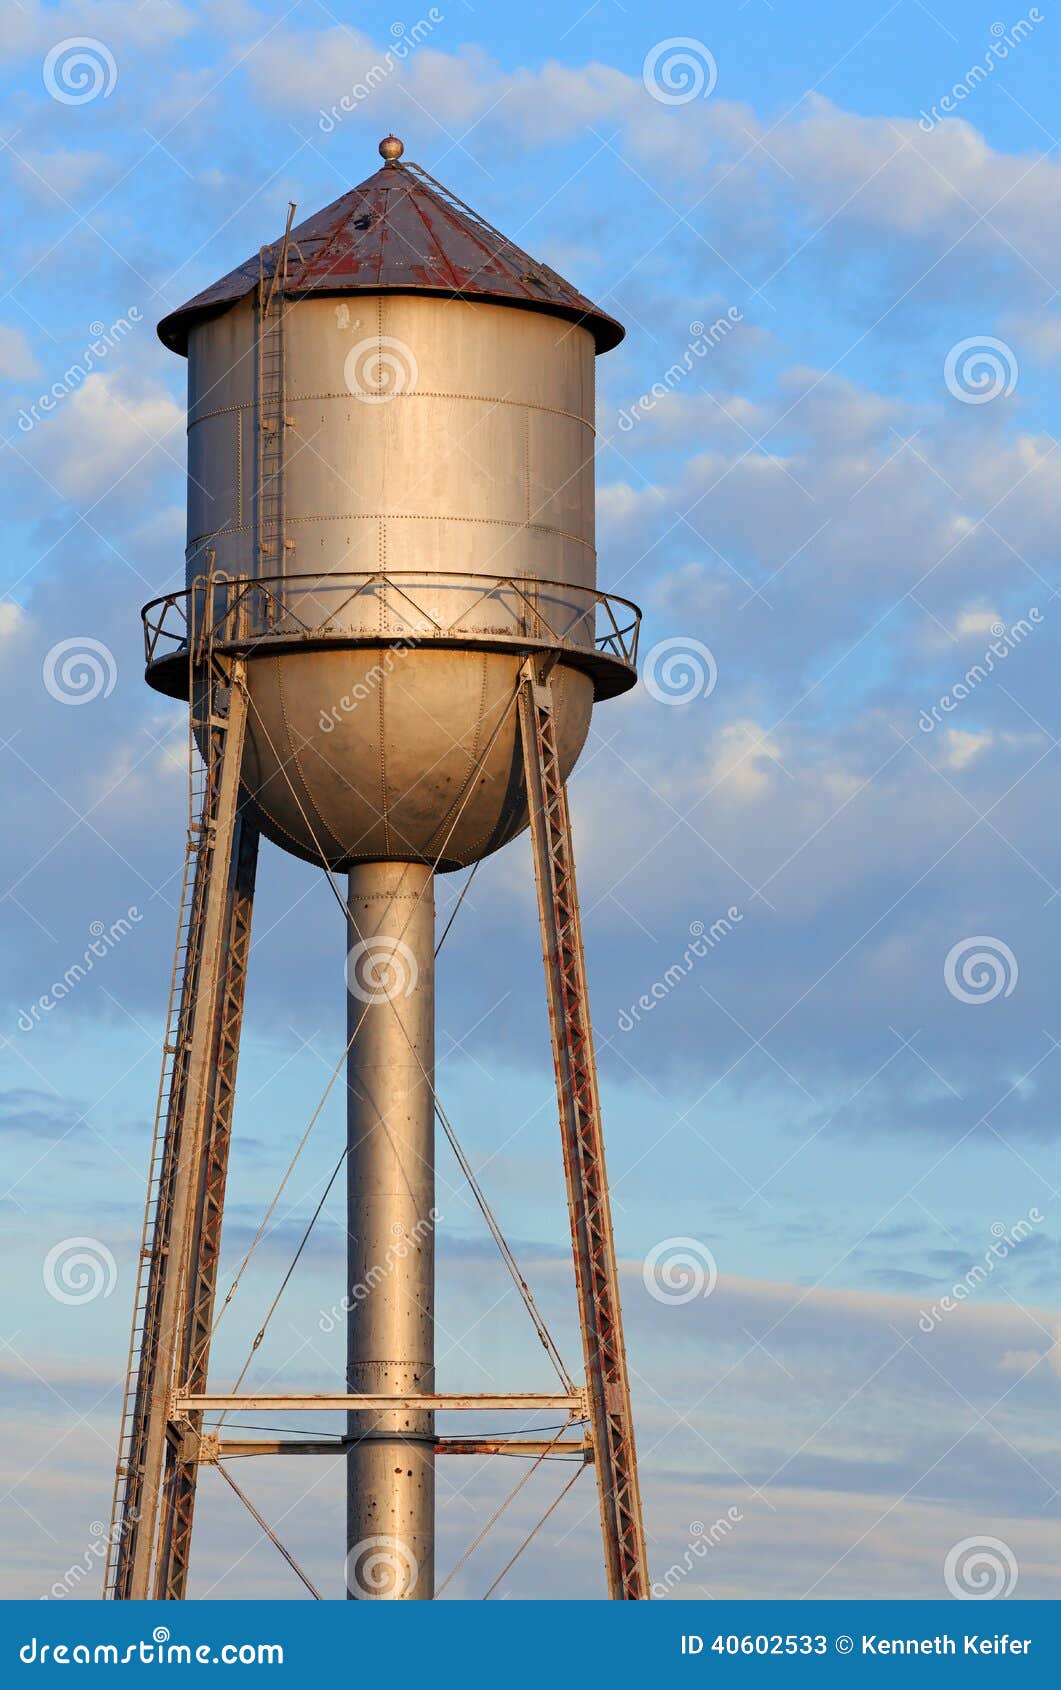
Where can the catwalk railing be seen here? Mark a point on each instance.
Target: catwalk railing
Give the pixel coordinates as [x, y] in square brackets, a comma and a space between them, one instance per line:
[593, 630]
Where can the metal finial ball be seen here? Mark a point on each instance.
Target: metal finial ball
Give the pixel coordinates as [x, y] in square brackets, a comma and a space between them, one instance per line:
[391, 148]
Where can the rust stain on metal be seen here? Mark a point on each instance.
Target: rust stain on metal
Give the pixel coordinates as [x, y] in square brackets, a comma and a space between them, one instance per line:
[404, 231]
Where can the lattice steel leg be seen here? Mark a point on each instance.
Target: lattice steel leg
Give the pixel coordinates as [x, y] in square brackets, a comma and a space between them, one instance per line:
[220, 707]
[596, 1276]
[178, 1502]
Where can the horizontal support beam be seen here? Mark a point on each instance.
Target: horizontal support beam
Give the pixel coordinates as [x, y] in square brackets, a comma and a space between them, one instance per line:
[223, 1449]
[528, 1403]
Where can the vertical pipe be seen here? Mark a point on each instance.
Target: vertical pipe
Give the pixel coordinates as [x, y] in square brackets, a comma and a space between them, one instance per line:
[390, 1228]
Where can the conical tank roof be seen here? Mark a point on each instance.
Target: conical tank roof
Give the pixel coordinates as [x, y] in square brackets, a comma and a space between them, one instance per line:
[403, 231]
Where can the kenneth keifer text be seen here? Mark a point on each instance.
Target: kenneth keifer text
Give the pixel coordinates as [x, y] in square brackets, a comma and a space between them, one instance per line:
[972, 1643]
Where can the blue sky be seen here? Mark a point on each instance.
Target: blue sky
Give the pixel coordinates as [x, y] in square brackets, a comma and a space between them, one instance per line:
[829, 503]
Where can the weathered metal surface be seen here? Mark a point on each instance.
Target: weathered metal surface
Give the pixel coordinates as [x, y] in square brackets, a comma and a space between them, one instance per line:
[390, 1169]
[197, 1099]
[426, 437]
[421, 434]
[193, 1356]
[596, 1274]
[209, 1450]
[401, 230]
[184, 1403]
[594, 632]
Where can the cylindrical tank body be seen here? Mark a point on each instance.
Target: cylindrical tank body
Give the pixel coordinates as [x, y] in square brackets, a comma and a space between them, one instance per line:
[447, 443]
[390, 1229]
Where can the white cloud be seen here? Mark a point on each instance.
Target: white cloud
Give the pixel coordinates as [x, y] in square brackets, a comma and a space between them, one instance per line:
[979, 622]
[107, 435]
[17, 362]
[61, 173]
[744, 764]
[962, 747]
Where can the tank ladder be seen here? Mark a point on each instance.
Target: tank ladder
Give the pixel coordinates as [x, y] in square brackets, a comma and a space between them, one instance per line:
[272, 420]
[596, 1275]
[182, 1217]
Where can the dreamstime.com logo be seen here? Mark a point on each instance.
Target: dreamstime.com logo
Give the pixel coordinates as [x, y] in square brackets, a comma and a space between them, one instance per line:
[383, 1567]
[998, 50]
[79, 670]
[159, 1650]
[404, 41]
[703, 940]
[679, 70]
[78, 1270]
[980, 1568]
[380, 368]
[1004, 640]
[980, 969]
[103, 940]
[1003, 1240]
[101, 345]
[703, 340]
[678, 1270]
[678, 670]
[980, 369]
[381, 969]
[329, 720]
[102, 1538]
[78, 70]
[396, 1252]
[702, 1539]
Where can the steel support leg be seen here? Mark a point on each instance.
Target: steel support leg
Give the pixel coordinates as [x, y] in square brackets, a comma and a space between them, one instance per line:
[190, 1089]
[596, 1276]
[178, 1500]
[390, 1228]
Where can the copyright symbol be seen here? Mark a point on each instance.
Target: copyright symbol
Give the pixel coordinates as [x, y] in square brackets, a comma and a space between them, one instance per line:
[844, 1645]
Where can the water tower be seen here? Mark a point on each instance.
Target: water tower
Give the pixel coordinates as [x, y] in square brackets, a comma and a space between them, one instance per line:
[390, 642]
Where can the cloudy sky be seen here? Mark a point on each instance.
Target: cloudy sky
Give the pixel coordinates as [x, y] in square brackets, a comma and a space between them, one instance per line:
[839, 508]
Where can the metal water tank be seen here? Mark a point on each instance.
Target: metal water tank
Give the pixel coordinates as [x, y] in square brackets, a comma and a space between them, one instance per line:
[391, 433]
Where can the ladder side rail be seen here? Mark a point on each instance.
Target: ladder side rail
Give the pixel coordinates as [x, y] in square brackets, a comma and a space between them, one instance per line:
[225, 706]
[143, 1357]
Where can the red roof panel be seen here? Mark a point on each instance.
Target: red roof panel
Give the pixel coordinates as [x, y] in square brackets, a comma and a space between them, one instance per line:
[401, 230]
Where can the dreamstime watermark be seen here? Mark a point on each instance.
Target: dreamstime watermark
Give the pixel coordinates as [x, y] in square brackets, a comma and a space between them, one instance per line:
[703, 339]
[404, 1243]
[103, 342]
[103, 1538]
[380, 969]
[678, 1270]
[381, 1566]
[678, 670]
[980, 1568]
[979, 369]
[980, 969]
[1005, 640]
[159, 1651]
[404, 41]
[78, 70]
[104, 938]
[329, 720]
[702, 1539]
[679, 70]
[999, 49]
[78, 1270]
[78, 670]
[704, 940]
[380, 368]
[1005, 1239]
